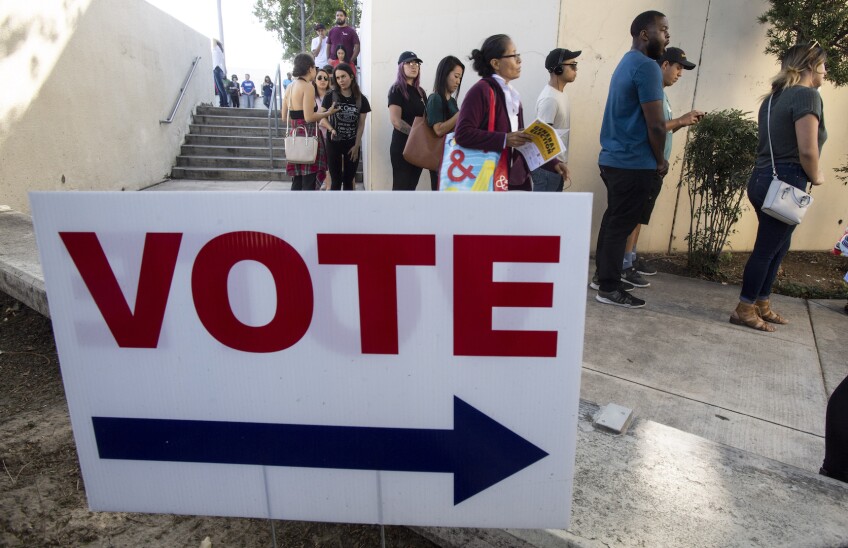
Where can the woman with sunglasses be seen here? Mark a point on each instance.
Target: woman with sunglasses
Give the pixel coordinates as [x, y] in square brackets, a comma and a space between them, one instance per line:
[792, 133]
[442, 108]
[345, 127]
[498, 63]
[322, 87]
[407, 99]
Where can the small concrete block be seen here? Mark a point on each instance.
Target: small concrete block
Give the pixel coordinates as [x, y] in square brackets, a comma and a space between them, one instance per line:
[614, 417]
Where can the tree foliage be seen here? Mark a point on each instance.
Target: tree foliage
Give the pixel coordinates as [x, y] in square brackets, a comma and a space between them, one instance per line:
[293, 20]
[800, 21]
[719, 157]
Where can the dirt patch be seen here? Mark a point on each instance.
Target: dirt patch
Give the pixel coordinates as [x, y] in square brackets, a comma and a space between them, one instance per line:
[807, 274]
[42, 496]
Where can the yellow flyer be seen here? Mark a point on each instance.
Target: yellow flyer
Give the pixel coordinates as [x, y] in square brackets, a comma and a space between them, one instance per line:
[545, 145]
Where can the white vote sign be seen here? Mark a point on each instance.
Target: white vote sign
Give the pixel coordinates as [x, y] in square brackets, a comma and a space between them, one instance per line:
[370, 357]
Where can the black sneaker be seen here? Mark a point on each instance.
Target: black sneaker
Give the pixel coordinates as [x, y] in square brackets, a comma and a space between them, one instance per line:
[627, 286]
[619, 298]
[643, 268]
[632, 277]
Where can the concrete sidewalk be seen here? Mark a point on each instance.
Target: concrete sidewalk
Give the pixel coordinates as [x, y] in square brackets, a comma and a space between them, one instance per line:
[730, 421]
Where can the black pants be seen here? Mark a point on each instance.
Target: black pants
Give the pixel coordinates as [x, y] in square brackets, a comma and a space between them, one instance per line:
[434, 180]
[342, 168]
[836, 432]
[627, 192]
[234, 100]
[404, 175]
[304, 182]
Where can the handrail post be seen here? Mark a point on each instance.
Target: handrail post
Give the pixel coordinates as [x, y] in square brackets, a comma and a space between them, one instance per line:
[272, 111]
[182, 91]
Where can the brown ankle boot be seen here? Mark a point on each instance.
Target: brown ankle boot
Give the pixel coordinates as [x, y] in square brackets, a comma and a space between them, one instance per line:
[768, 314]
[748, 315]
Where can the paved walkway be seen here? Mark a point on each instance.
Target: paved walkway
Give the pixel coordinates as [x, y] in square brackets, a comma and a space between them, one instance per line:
[730, 421]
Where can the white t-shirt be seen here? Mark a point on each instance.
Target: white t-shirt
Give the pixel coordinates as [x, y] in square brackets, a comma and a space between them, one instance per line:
[218, 58]
[321, 58]
[552, 107]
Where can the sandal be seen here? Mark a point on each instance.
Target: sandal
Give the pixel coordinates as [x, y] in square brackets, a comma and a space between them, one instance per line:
[769, 315]
[747, 315]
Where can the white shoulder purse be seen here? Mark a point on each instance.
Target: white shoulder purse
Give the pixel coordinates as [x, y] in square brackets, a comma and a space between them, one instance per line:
[300, 149]
[783, 201]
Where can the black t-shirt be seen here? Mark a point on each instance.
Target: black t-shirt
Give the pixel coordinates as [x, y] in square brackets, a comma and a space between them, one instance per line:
[346, 120]
[409, 108]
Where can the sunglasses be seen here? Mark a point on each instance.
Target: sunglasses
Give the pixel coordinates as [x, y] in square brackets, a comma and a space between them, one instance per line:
[321, 78]
[570, 65]
[814, 44]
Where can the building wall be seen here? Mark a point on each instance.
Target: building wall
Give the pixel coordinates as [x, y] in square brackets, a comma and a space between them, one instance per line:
[444, 28]
[90, 81]
[727, 42]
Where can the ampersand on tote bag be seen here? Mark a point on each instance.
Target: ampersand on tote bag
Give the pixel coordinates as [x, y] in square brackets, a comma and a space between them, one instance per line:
[469, 169]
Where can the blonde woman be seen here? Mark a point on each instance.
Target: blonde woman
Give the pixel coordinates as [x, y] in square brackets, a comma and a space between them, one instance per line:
[797, 134]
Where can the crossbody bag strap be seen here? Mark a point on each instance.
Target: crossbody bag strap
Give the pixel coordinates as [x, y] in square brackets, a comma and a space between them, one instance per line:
[768, 132]
[771, 152]
[491, 109]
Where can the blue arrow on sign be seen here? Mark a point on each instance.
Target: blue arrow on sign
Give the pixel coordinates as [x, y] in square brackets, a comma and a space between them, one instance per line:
[479, 451]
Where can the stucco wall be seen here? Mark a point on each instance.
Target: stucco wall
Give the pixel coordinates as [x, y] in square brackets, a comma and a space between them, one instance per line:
[726, 41]
[445, 28]
[90, 81]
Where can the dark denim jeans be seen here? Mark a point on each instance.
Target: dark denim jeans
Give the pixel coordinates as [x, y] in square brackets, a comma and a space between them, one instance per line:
[218, 76]
[773, 236]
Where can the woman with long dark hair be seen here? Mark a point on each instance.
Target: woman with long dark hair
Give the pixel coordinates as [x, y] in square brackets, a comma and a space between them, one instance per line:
[322, 86]
[797, 134]
[345, 127]
[341, 57]
[407, 100]
[301, 109]
[498, 63]
[442, 108]
[267, 90]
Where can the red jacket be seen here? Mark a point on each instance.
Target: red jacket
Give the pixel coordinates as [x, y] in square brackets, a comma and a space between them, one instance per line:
[472, 129]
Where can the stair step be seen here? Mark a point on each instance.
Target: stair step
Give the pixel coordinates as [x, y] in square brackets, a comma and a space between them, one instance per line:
[237, 141]
[237, 174]
[229, 174]
[237, 121]
[234, 151]
[238, 112]
[234, 131]
[229, 162]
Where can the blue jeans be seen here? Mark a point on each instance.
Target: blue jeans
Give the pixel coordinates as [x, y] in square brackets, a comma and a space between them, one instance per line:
[546, 181]
[773, 236]
[218, 75]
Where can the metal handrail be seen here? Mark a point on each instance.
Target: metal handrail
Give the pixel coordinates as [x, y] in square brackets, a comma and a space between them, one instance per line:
[274, 113]
[182, 91]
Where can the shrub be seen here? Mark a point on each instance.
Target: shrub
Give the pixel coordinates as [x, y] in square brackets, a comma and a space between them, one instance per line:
[719, 158]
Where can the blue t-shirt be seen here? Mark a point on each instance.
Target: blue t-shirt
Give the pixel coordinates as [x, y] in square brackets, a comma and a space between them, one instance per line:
[624, 132]
[248, 86]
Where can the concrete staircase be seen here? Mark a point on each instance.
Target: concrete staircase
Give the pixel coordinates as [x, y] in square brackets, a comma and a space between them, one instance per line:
[231, 144]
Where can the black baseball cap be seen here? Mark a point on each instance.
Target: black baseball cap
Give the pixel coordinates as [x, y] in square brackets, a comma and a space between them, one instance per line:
[558, 55]
[408, 56]
[676, 55]
[320, 26]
